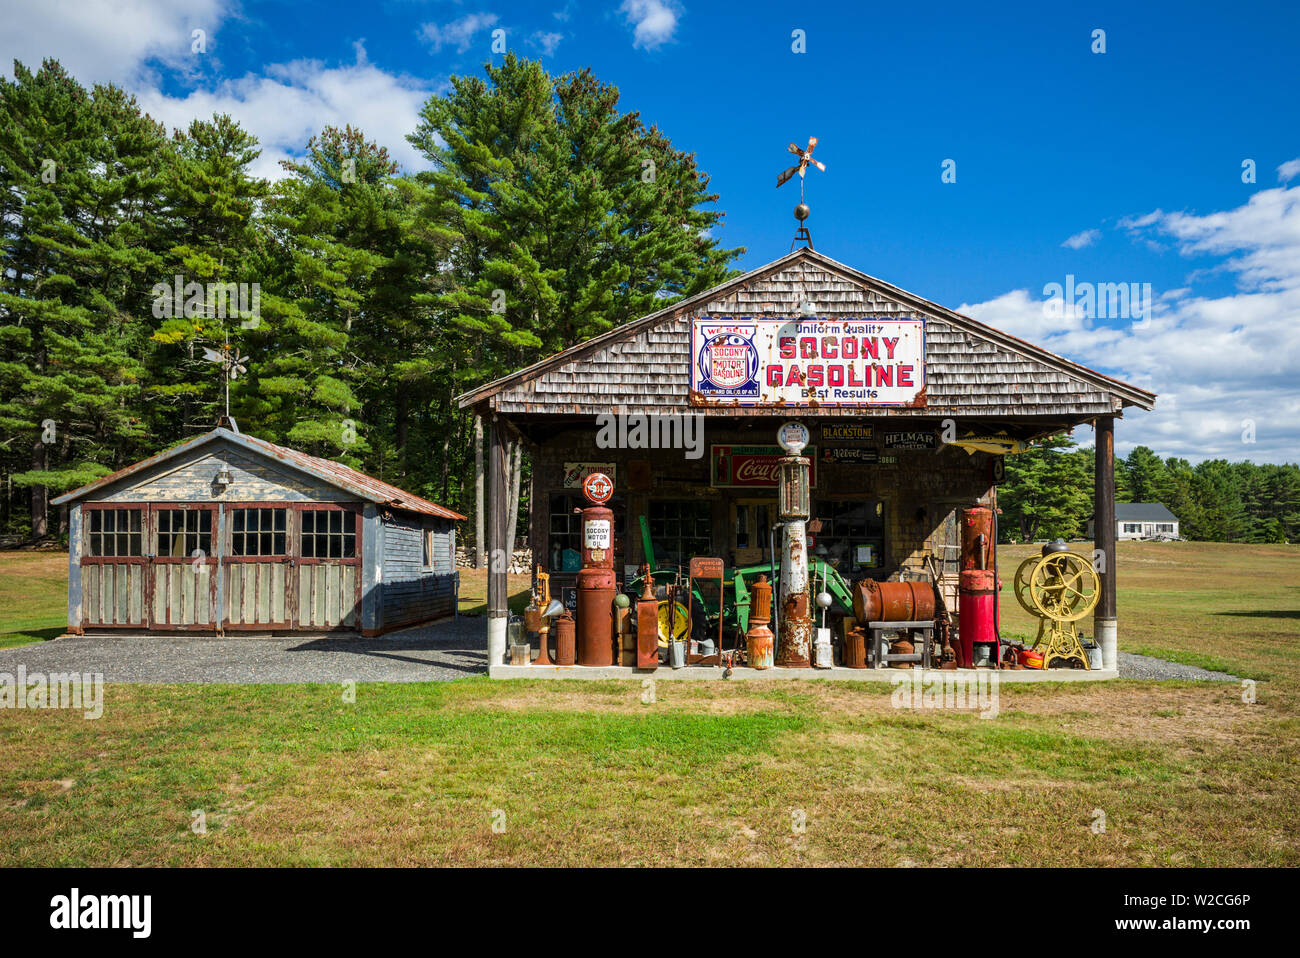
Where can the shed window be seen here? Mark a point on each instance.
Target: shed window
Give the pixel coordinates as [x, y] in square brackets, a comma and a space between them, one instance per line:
[182, 532]
[259, 532]
[427, 558]
[114, 532]
[328, 534]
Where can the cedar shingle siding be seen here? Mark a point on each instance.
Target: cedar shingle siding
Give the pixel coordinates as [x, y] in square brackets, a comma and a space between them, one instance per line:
[971, 369]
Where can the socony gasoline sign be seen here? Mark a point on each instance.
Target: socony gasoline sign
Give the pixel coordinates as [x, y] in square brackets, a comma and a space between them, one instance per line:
[805, 362]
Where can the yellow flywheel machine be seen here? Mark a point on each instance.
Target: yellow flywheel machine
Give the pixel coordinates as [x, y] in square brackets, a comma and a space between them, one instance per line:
[1059, 589]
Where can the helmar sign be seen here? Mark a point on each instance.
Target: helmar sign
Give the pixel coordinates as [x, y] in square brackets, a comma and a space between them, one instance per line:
[801, 362]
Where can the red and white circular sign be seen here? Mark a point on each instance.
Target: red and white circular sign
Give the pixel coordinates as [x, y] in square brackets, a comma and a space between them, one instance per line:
[598, 488]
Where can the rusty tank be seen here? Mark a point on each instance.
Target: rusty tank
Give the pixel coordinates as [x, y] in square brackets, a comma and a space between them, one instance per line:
[892, 601]
[760, 642]
[596, 618]
[564, 631]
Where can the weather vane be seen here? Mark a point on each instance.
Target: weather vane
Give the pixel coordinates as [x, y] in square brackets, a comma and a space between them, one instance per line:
[801, 212]
[232, 365]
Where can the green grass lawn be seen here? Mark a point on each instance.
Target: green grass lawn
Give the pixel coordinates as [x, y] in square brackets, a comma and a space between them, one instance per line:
[33, 596]
[820, 773]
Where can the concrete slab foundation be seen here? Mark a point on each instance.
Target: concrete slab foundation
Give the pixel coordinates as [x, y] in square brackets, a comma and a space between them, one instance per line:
[837, 674]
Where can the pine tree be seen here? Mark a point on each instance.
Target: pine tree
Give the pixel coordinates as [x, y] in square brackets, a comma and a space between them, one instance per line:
[80, 205]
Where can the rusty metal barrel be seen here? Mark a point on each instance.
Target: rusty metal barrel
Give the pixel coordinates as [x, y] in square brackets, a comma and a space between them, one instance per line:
[564, 630]
[892, 601]
[855, 647]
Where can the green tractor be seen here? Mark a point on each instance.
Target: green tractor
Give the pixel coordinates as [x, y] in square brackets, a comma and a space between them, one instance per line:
[700, 619]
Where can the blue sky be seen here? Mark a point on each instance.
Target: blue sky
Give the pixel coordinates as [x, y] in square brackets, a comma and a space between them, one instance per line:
[1122, 166]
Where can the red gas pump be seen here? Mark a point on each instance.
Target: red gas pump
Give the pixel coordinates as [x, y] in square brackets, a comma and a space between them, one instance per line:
[977, 599]
[596, 582]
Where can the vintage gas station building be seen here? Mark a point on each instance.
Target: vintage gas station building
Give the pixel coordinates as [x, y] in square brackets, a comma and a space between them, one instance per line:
[881, 378]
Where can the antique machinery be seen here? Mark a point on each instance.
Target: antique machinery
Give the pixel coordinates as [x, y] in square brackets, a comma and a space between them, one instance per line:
[647, 626]
[596, 583]
[759, 642]
[1059, 588]
[537, 618]
[977, 596]
[793, 504]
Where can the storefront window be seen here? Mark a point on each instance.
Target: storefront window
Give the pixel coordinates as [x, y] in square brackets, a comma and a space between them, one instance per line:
[564, 542]
[680, 529]
[852, 536]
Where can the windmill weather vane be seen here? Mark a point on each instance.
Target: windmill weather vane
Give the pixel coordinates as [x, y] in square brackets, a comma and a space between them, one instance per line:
[801, 212]
[232, 364]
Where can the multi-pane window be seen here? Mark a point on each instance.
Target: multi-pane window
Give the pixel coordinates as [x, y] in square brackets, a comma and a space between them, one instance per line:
[259, 532]
[680, 529]
[1164, 527]
[1132, 527]
[114, 532]
[852, 536]
[328, 534]
[181, 532]
[564, 542]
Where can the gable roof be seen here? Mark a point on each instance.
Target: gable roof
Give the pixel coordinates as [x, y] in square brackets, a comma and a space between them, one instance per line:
[332, 473]
[1143, 512]
[645, 362]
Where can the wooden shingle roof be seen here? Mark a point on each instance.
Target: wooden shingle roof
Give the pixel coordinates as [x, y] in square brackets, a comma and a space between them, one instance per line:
[972, 369]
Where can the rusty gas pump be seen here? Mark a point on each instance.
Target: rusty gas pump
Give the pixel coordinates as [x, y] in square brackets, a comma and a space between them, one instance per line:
[597, 623]
[977, 598]
[794, 506]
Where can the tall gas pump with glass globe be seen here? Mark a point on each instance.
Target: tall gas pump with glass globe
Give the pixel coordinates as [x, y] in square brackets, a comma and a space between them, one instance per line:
[794, 507]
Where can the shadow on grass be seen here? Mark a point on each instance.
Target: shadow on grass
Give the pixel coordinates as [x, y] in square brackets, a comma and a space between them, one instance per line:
[12, 640]
[1264, 614]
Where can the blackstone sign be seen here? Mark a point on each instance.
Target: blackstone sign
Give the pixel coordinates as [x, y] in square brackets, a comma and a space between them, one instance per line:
[800, 362]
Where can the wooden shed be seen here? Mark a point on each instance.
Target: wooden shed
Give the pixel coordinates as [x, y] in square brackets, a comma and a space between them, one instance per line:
[888, 383]
[226, 533]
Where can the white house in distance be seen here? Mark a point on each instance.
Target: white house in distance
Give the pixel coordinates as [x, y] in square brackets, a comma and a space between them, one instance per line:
[1144, 520]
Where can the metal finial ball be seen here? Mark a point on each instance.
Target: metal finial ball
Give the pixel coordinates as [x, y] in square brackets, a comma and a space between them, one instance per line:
[802, 212]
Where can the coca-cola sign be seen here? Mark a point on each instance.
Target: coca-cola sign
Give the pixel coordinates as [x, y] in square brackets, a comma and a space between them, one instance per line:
[752, 466]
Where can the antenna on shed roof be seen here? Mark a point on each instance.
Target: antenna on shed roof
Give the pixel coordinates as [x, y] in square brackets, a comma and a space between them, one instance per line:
[801, 212]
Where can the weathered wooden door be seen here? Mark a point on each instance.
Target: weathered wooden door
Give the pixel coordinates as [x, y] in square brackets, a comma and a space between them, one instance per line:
[114, 584]
[257, 564]
[182, 566]
[328, 579]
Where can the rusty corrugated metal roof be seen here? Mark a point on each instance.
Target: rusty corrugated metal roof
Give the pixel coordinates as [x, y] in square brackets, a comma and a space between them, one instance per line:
[334, 473]
[379, 491]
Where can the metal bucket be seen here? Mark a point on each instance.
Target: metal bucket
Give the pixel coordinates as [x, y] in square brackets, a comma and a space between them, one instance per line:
[677, 654]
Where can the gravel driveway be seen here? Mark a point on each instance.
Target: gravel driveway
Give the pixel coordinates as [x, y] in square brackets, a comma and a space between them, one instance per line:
[449, 649]
[445, 650]
[1144, 667]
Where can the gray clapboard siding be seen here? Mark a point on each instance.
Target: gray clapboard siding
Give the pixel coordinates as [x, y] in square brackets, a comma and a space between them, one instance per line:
[410, 593]
[252, 481]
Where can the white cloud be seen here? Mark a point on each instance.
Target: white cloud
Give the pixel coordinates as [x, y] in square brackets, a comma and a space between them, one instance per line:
[458, 33]
[1216, 361]
[546, 42]
[293, 101]
[1288, 171]
[1080, 240]
[110, 40]
[654, 22]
